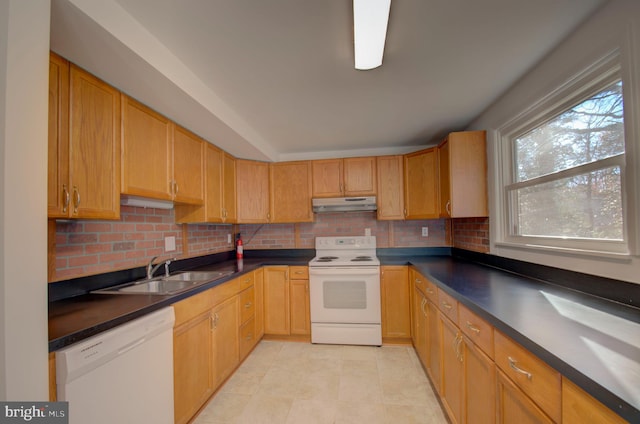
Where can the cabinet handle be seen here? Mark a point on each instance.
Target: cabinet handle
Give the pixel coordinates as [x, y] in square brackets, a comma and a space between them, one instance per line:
[214, 321]
[247, 305]
[448, 207]
[424, 302]
[446, 305]
[473, 328]
[512, 364]
[249, 336]
[76, 199]
[300, 272]
[65, 198]
[429, 290]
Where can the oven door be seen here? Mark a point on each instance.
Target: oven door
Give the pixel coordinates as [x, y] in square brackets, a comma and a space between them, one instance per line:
[345, 295]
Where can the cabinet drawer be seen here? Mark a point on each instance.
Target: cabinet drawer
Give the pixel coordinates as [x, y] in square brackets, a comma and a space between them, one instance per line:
[431, 291]
[477, 329]
[225, 291]
[538, 380]
[418, 280]
[299, 272]
[448, 305]
[247, 337]
[247, 304]
[193, 306]
[246, 281]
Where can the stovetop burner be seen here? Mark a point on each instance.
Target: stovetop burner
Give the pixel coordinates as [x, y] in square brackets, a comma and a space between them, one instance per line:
[345, 252]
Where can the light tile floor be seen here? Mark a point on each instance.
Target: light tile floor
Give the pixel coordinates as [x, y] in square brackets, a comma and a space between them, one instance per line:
[301, 383]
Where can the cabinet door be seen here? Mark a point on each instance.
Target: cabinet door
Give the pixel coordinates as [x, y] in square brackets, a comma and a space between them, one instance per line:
[299, 309]
[420, 326]
[229, 192]
[421, 185]
[276, 300]
[395, 302]
[258, 284]
[451, 389]
[434, 344]
[213, 183]
[360, 176]
[252, 185]
[188, 167]
[225, 334]
[94, 147]
[192, 366]
[58, 190]
[463, 173]
[390, 196]
[514, 406]
[578, 407]
[327, 178]
[290, 192]
[146, 151]
[479, 385]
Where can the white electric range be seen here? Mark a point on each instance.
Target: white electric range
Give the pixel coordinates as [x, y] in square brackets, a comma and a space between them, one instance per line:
[344, 291]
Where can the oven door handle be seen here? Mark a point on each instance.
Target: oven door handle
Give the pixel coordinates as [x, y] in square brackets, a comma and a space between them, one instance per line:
[344, 271]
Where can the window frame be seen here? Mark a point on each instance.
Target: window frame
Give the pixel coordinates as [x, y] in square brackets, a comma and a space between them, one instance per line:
[580, 87]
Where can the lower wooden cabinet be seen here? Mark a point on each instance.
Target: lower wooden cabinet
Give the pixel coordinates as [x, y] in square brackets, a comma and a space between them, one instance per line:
[214, 331]
[226, 352]
[286, 301]
[395, 303]
[299, 309]
[434, 346]
[258, 284]
[579, 407]
[276, 300]
[479, 386]
[452, 369]
[514, 406]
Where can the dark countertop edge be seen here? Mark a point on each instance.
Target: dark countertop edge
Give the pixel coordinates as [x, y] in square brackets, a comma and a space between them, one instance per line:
[595, 389]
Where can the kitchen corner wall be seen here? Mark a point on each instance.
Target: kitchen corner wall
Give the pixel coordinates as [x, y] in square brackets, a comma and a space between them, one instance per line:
[92, 247]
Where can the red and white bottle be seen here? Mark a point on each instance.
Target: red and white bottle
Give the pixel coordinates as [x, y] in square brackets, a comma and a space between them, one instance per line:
[239, 248]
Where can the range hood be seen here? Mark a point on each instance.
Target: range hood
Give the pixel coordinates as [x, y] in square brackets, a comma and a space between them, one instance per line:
[344, 204]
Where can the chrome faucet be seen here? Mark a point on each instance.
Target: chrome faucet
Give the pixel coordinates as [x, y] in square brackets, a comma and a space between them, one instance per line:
[151, 268]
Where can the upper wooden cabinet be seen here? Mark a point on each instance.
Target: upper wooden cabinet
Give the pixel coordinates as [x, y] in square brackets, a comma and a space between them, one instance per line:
[188, 166]
[463, 175]
[252, 185]
[290, 192]
[219, 186]
[84, 144]
[146, 152]
[58, 198]
[421, 184]
[344, 177]
[161, 160]
[390, 196]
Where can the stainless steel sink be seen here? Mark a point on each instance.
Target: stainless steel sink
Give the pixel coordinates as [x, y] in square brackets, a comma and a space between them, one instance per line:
[172, 284]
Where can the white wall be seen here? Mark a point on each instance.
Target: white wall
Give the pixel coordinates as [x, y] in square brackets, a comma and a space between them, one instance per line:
[24, 59]
[615, 25]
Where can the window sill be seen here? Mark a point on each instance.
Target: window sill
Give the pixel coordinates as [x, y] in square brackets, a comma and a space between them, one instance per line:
[579, 253]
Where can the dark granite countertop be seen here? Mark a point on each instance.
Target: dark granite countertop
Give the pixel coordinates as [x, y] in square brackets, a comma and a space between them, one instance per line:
[593, 341]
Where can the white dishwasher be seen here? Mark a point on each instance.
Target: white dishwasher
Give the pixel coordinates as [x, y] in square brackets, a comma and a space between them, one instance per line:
[124, 375]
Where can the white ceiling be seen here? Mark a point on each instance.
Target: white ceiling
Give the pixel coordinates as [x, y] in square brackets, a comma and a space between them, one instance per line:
[274, 80]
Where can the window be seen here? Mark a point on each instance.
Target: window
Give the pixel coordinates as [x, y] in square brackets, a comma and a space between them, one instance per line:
[563, 178]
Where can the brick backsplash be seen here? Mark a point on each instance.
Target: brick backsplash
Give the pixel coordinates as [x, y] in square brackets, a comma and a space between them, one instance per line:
[471, 234]
[93, 247]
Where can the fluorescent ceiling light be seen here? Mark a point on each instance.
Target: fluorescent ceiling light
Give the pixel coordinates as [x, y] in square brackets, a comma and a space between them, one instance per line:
[370, 19]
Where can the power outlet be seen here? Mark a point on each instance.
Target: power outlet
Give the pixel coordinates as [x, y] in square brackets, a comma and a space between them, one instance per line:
[170, 244]
[228, 238]
[425, 231]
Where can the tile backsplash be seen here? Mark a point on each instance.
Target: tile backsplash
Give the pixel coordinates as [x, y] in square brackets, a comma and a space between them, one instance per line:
[92, 247]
